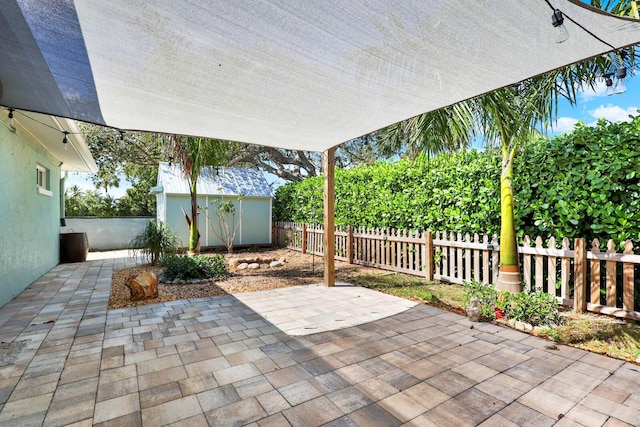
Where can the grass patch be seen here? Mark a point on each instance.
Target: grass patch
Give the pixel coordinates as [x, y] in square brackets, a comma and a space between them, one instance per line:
[597, 333]
[600, 334]
[448, 296]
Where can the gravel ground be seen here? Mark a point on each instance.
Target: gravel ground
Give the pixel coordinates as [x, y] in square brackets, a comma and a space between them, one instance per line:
[299, 269]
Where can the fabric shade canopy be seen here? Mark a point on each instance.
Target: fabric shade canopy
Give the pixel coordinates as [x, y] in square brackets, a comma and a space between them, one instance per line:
[292, 74]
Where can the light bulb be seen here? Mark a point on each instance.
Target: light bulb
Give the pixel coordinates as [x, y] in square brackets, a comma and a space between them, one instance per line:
[561, 33]
[619, 87]
[12, 123]
[609, 82]
[65, 141]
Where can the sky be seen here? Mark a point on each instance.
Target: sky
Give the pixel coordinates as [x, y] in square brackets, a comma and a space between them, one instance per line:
[591, 106]
[595, 104]
[83, 181]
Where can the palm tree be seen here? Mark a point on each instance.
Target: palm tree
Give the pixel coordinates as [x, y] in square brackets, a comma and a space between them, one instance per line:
[192, 154]
[507, 116]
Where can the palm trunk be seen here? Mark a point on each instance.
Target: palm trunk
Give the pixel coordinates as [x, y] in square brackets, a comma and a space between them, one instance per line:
[509, 277]
[194, 234]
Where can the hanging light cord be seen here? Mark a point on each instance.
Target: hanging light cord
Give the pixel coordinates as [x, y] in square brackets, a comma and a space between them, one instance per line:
[14, 111]
[584, 29]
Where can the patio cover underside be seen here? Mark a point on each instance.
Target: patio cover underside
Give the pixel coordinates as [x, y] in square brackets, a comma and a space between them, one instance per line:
[300, 75]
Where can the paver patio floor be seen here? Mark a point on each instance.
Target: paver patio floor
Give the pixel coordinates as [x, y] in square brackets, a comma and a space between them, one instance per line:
[302, 356]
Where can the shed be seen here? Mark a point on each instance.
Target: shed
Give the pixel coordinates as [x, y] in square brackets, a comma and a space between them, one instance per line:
[215, 185]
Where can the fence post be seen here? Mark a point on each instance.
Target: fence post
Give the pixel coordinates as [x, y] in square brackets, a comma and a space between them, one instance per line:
[428, 252]
[595, 273]
[526, 265]
[565, 266]
[304, 238]
[627, 279]
[495, 259]
[580, 276]
[350, 245]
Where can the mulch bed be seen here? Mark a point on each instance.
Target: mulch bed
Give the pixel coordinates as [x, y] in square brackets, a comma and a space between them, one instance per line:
[298, 270]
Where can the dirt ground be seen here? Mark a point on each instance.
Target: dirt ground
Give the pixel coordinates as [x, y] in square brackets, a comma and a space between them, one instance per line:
[298, 270]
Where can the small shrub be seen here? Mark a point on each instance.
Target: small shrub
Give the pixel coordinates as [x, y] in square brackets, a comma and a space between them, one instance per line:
[487, 295]
[535, 308]
[195, 267]
[156, 241]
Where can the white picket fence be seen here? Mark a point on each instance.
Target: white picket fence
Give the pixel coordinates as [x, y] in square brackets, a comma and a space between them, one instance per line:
[595, 280]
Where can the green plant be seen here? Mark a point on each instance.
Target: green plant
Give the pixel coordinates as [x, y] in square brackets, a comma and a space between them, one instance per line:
[535, 308]
[580, 184]
[194, 267]
[228, 224]
[487, 295]
[155, 242]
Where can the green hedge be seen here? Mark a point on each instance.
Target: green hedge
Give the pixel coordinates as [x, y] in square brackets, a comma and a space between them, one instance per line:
[582, 184]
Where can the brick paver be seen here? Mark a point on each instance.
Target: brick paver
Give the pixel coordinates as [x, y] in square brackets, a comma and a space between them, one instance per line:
[298, 356]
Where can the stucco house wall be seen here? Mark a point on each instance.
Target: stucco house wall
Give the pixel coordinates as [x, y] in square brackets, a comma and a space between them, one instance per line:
[32, 157]
[30, 220]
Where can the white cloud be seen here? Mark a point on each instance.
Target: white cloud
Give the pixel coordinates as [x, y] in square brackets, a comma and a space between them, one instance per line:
[614, 113]
[564, 124]
[599, 90]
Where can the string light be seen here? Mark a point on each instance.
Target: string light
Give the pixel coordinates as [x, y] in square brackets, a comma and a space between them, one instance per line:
[557, 20]
[12, 123]
[65, 140]
[609, 82]
[621, 72]
[620, 86]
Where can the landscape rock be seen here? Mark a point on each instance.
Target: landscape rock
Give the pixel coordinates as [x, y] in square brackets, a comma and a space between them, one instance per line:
[523, 326]
[243, 266]
[142, 286]
[253, 266]
[274, 264]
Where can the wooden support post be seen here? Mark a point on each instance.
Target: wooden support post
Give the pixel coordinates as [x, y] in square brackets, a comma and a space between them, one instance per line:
[329, 217]
[428, 258]
[350, 245]
[304, 238]
[580, 276]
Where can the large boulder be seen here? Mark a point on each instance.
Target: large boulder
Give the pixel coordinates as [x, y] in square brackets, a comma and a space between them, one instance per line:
[142, 286]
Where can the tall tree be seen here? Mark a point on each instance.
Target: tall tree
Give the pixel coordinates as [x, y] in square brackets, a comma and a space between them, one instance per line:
[296, 165]
[133, 154]
[192, 154]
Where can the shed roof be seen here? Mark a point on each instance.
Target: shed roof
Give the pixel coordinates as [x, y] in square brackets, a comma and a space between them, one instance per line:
[215, 181]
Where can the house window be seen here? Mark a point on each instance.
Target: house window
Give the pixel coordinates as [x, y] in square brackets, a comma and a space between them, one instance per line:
[42, 181]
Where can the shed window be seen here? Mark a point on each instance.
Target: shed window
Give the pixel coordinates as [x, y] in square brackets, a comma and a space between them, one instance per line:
[42, 180]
